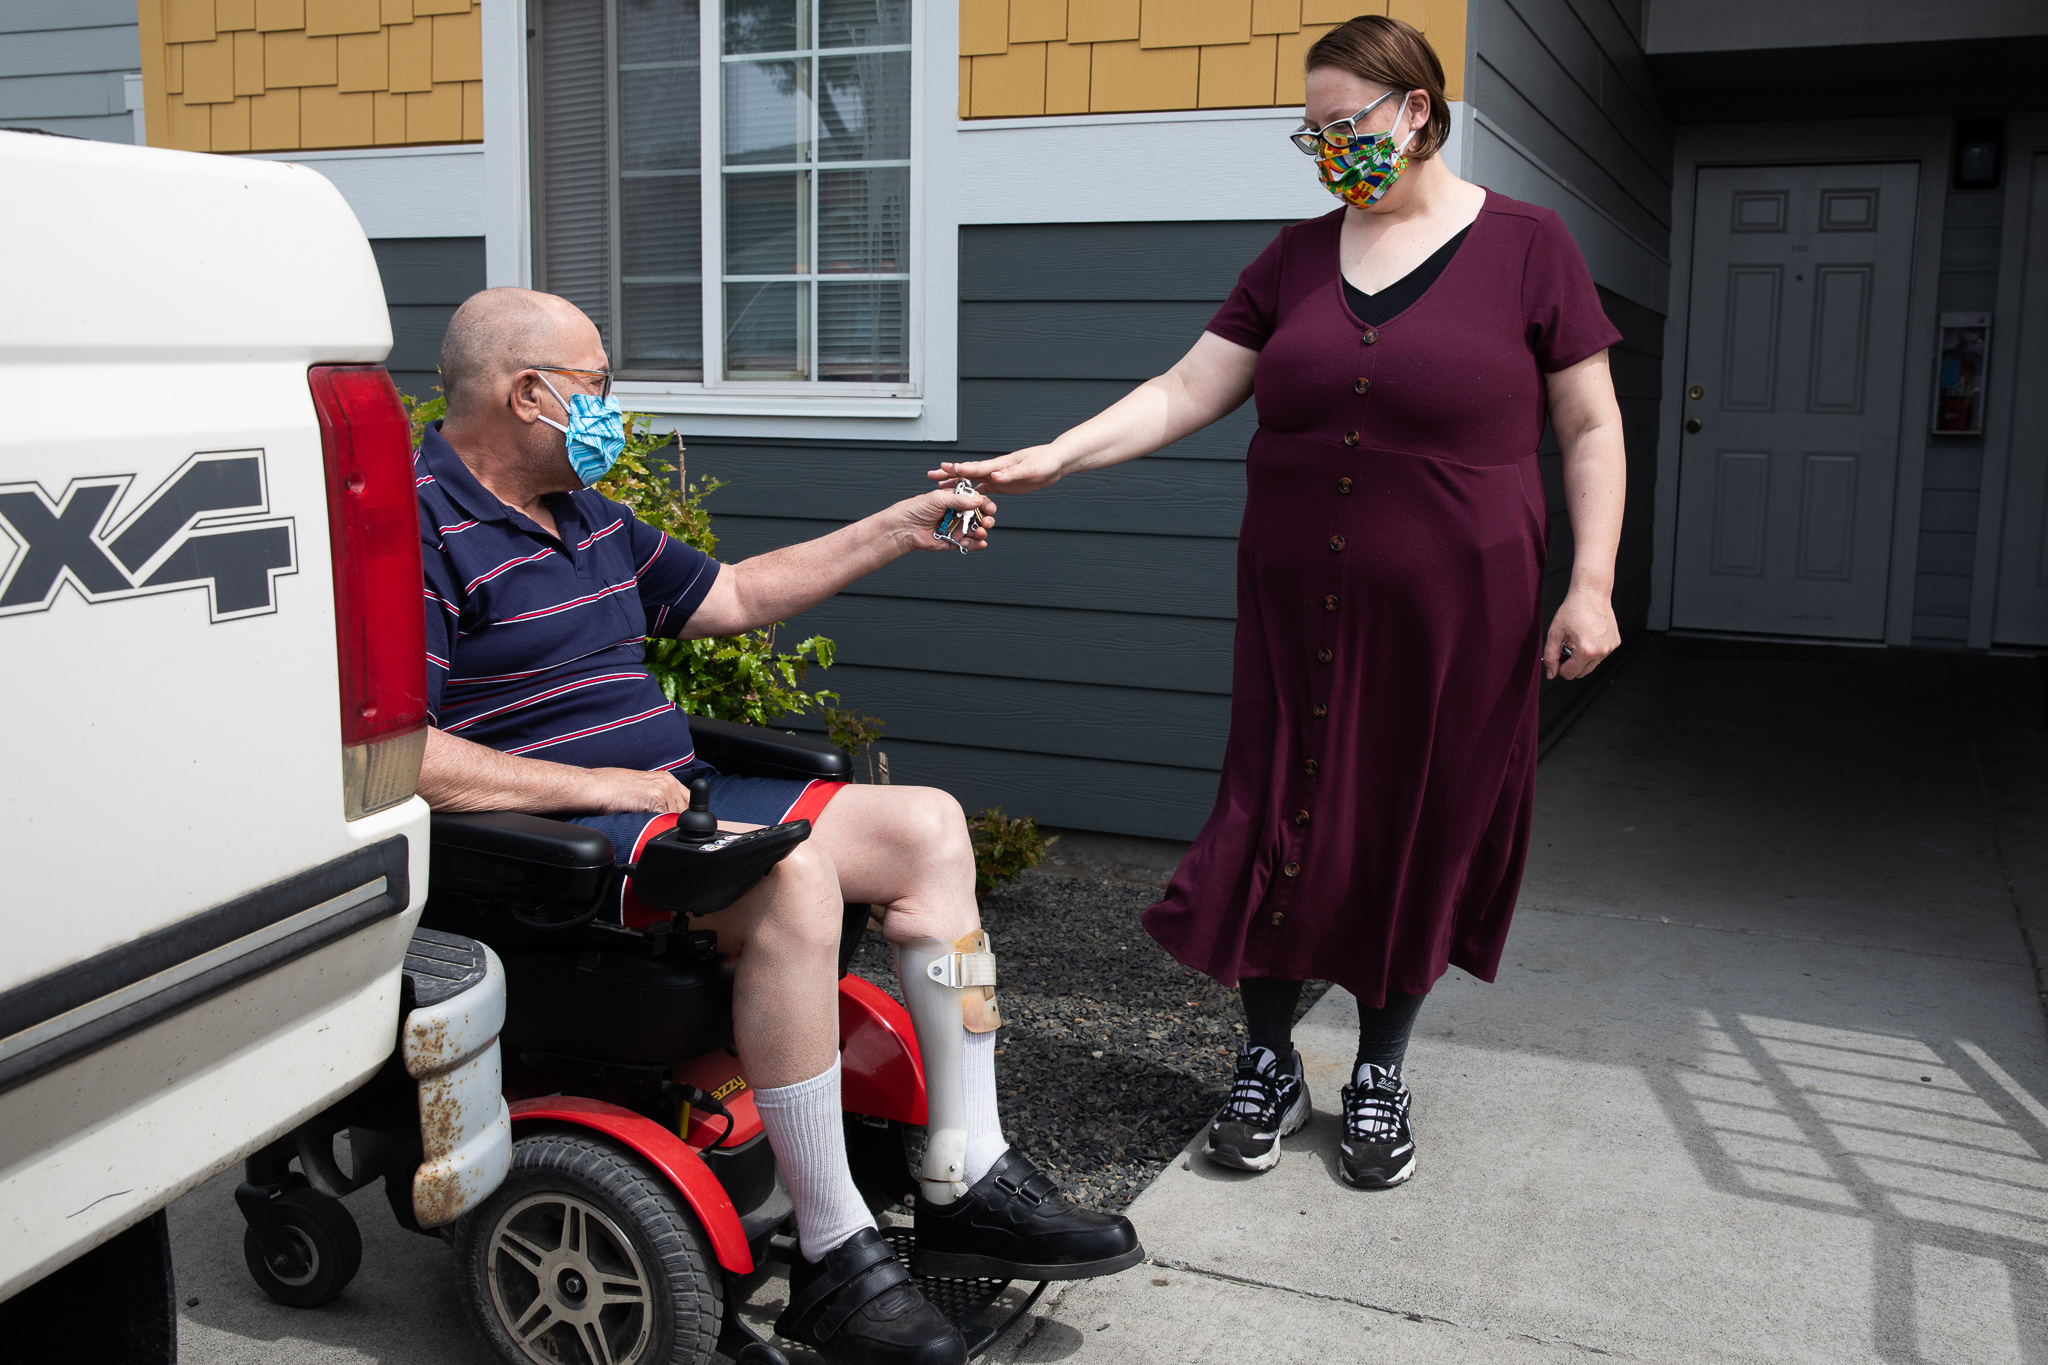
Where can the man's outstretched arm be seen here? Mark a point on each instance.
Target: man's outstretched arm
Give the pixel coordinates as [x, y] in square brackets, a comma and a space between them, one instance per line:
[778, 585]
[459, 774]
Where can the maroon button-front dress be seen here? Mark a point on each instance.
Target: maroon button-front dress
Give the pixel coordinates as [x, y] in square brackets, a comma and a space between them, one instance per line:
[1377, 788]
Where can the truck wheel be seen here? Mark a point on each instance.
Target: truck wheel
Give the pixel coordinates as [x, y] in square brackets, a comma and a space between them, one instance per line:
[585, 1256]
[328, 1243]
[879, 1158]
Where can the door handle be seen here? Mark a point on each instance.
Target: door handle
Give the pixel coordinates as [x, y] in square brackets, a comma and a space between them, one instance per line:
[1692, 426]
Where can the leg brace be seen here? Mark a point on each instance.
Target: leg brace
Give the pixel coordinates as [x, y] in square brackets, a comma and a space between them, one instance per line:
[946, 988]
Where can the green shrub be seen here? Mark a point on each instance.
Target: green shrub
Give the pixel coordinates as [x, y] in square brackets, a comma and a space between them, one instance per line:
[1004, 847]
[856, 734]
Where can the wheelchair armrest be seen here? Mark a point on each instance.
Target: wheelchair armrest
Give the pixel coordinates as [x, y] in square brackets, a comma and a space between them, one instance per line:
[750, 751]
[506, 853]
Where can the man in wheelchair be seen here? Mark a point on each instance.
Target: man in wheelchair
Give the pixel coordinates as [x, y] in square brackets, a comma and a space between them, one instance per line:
[538, 594]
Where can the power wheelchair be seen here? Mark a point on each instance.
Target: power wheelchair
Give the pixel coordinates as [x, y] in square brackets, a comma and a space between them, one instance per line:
[643, 1206]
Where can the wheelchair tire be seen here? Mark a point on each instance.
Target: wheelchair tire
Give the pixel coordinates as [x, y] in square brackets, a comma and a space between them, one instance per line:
[327, 1238]
[577, 1216]
[879, 1156]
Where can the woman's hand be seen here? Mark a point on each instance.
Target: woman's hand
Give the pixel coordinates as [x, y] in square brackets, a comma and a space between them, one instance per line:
[1023, 471]
[1585, 625]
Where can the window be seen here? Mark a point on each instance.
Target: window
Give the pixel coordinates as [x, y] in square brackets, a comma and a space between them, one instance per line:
[739, 226]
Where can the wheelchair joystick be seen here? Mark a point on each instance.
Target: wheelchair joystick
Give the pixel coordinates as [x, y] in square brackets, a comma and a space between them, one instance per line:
[697, 825]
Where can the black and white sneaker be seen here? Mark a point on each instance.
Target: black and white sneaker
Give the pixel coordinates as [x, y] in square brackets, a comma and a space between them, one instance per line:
[1379, 1147]
[1267, 1102]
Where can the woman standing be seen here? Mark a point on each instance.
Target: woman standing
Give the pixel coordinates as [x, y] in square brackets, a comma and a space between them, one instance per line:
[1377, 787]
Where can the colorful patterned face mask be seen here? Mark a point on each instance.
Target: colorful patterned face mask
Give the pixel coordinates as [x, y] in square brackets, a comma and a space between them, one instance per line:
[1362, 173]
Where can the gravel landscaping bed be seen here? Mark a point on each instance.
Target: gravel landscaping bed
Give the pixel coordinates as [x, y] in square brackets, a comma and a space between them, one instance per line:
[1112, 1055]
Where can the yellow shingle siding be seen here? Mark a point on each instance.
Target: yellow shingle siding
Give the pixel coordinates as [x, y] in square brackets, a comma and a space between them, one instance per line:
[293, 75]
[1020, 58]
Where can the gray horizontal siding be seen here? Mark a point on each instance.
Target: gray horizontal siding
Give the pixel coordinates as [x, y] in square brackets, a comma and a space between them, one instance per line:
[998, 639]
[1547, 79]
[1039, 716]
[1001, 415]
[58, 51]
[1076, 570]
[61, 67]
[1951, 482]
[1082, 262]
[1091, 339]
[1570, 118]
[1160, 495]
[30, 16]
[424, 279]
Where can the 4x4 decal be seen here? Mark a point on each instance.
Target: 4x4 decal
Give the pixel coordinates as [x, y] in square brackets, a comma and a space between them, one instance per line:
[205, 526]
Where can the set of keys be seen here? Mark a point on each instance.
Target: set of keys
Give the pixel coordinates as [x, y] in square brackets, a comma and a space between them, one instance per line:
[964, 522]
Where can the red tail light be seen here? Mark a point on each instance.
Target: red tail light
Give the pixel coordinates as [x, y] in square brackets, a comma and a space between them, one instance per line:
[380, 631]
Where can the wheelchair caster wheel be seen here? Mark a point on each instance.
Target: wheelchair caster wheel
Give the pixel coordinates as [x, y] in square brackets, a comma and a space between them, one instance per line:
[330, 1250]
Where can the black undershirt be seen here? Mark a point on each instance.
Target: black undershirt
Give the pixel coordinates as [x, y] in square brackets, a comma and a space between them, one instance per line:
[1377, 308]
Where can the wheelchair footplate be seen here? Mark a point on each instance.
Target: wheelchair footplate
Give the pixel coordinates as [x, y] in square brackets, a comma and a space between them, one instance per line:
[966, 1303]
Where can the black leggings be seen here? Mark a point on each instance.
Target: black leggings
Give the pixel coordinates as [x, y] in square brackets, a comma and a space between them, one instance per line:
[1269, 1005]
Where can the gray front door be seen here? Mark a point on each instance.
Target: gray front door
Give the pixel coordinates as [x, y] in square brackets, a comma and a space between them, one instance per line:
[2022, 614]
[1795, 351]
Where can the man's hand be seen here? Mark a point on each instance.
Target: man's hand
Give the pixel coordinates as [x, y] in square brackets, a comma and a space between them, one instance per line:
[917, 518]
[624, 790]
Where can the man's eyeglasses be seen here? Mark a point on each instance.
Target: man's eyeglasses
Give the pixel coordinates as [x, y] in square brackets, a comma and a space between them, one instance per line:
[1340, 135]
[602, 378]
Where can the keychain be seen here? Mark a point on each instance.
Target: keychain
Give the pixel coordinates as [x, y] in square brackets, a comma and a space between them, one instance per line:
[966, 521]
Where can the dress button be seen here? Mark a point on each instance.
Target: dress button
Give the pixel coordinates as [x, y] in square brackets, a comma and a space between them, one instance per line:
[1350, 438]
[1324, 655]
[1278, 915]
[1361, 385]
[1336, 543]
[1309, 767]
[1370, 337]
[1301, 817]
[1343, 485]
[1330, 602]
[1292, 869]
[1321, 710]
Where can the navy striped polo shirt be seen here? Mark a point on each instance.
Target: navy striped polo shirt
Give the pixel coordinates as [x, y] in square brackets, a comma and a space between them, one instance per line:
[534, 644]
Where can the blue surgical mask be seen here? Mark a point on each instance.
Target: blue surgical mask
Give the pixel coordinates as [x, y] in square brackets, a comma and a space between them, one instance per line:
[595, 434]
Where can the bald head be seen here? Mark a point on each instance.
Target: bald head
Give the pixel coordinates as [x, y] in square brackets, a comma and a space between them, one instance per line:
[498, 332]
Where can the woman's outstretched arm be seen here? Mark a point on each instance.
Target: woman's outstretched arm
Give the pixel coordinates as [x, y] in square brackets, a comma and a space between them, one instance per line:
[1587, 421]
[1209, 382]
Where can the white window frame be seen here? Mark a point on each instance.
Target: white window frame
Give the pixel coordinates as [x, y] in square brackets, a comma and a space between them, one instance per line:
[925, 409]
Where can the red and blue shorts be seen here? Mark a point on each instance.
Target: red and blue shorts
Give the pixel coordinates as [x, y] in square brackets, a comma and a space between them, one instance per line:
[742, 800]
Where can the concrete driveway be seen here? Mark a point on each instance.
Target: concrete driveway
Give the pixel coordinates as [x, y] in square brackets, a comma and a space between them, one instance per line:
[1764, 1077]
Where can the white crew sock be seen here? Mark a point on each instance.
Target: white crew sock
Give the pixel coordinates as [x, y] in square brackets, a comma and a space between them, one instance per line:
[805, 1129]
[985, 1142]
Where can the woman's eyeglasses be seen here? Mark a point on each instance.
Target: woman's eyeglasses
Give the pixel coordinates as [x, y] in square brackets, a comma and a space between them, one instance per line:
[1339, 135]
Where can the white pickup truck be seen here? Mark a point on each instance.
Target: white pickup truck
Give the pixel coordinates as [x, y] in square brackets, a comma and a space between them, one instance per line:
[211, 683]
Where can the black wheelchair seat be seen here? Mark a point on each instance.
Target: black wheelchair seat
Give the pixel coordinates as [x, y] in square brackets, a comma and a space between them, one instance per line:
[583, 989]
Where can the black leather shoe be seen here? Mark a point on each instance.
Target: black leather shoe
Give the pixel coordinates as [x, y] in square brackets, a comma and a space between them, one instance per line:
[859, 1306]
[1014, 1224]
